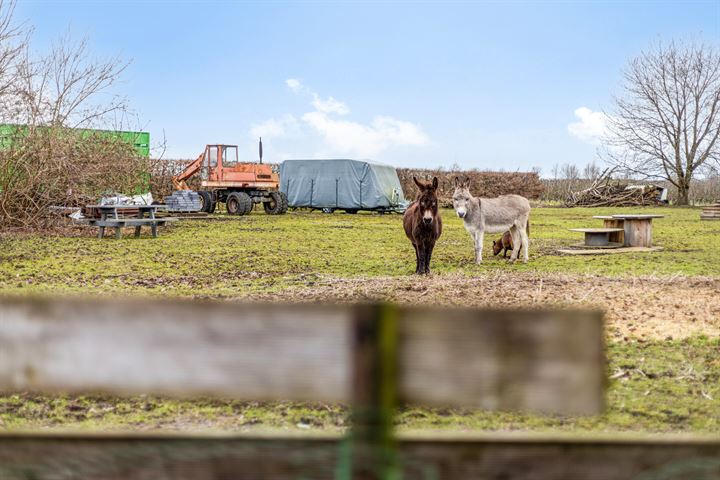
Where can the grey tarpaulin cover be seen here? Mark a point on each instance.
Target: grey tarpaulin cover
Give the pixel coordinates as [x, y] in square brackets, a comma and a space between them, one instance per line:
[344, 184]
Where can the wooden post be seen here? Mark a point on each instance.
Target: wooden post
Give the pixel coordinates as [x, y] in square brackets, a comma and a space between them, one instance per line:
[374, 395]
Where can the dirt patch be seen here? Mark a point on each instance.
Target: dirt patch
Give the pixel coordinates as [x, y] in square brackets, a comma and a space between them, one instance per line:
[637, 308]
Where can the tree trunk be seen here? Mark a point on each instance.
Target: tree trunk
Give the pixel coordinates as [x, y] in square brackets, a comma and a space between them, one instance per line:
[683, 193]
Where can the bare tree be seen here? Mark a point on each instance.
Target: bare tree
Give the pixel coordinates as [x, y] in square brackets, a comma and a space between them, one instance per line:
[570, 171]
[67, 87]
[591, 171]
[13, 41]
[56, 164]
[667, 121]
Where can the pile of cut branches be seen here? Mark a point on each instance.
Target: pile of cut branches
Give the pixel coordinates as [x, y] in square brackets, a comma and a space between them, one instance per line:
[606, 192]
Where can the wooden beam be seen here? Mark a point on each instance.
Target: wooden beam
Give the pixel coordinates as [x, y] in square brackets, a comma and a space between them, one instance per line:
[546, 361]
[108, 457]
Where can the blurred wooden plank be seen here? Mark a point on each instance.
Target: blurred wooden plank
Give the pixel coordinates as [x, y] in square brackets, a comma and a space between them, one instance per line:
[548, 360]
[106, 457]
[175, 348]
[544, 360]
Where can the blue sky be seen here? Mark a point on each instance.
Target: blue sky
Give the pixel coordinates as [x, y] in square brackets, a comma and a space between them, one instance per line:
[489, 85]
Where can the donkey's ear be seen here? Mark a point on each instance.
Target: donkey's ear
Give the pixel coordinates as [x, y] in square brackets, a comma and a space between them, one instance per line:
[467, 181]
[456, 182]
[494, 242]
[435, 183]
[420, 185]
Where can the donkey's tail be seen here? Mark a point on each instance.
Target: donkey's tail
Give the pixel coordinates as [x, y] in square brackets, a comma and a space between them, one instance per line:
[527, 227]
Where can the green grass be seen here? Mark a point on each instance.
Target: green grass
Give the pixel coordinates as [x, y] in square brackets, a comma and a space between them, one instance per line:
[267, 253]
[666, 386]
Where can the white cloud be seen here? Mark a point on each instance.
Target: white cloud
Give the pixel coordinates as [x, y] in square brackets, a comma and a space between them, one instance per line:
[591, 127]
[294, 84]
[330, 105]
[273, 127]
[339, 136]
[352, 138]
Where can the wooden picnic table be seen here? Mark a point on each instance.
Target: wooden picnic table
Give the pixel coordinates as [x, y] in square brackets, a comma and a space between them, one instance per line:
[637, 229]
[115, 216]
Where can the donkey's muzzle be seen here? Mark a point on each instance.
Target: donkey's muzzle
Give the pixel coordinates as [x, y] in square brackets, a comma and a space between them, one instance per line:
[461, 214]
[427, 221]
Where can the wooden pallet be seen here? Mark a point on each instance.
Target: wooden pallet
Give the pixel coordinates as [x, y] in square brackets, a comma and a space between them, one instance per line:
[711, 213]
[607, 251]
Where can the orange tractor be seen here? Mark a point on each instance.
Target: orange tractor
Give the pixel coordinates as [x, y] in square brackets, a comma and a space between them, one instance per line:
[238, 185]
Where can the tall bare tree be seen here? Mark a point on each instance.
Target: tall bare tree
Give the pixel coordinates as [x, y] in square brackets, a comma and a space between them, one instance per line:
[13, 41]
[666, 122]
[67, 87]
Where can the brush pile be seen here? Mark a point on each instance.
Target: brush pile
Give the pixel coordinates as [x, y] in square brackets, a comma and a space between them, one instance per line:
[606, 192]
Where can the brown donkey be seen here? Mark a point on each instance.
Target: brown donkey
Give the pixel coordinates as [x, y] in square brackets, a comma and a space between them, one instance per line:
[423, 225]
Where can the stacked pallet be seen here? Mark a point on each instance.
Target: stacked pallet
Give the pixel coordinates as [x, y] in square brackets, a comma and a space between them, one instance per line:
[183, 201]
[711, 213]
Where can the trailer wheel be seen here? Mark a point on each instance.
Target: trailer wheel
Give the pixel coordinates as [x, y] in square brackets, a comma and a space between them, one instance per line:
[277, 204]
[207, 201]
[351, 211]
[238, 203]
[328, 210]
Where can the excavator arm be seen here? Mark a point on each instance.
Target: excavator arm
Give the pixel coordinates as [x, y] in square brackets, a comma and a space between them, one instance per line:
[180, 180]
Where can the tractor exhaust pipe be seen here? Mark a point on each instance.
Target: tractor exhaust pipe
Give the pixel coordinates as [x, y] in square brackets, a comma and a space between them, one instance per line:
[260, 149]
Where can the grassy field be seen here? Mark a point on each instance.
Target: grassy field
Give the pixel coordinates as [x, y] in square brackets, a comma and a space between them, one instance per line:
[260, 253]
[663, 316]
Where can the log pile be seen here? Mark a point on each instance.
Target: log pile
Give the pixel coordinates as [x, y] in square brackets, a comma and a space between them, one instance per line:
[712, 212]
[606, 192]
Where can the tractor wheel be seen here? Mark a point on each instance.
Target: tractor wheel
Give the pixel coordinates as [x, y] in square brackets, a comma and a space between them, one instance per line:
[277, 205]
[238, 203]
[207, 202]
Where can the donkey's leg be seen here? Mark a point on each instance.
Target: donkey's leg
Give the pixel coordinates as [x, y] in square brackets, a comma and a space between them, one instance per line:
[428, 256]
[525, 241]
[479, 239]
[516, 239]
[417, 259]
[421, 259]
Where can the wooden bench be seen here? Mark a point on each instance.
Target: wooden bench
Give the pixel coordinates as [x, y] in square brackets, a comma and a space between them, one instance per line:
[116, 216]
[598, 237]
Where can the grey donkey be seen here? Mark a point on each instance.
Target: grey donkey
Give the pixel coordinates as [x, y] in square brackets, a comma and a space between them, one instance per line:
[493, 215]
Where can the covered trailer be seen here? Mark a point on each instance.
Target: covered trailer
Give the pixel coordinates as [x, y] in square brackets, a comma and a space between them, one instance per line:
[342, 184]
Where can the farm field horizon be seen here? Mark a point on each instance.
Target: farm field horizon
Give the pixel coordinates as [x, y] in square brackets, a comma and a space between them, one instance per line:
[662, 314]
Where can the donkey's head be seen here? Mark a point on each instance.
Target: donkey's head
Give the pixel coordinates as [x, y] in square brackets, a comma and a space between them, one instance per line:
[461, 196]
[427, 200]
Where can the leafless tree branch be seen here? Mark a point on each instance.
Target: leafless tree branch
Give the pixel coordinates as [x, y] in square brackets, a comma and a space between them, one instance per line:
[666, 123]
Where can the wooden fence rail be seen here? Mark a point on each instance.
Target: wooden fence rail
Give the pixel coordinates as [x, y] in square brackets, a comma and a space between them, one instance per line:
[549, 361]
[153, 457]
[372, 356]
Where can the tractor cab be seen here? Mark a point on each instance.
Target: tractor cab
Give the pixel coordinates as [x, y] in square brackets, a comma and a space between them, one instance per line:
[218, 158]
